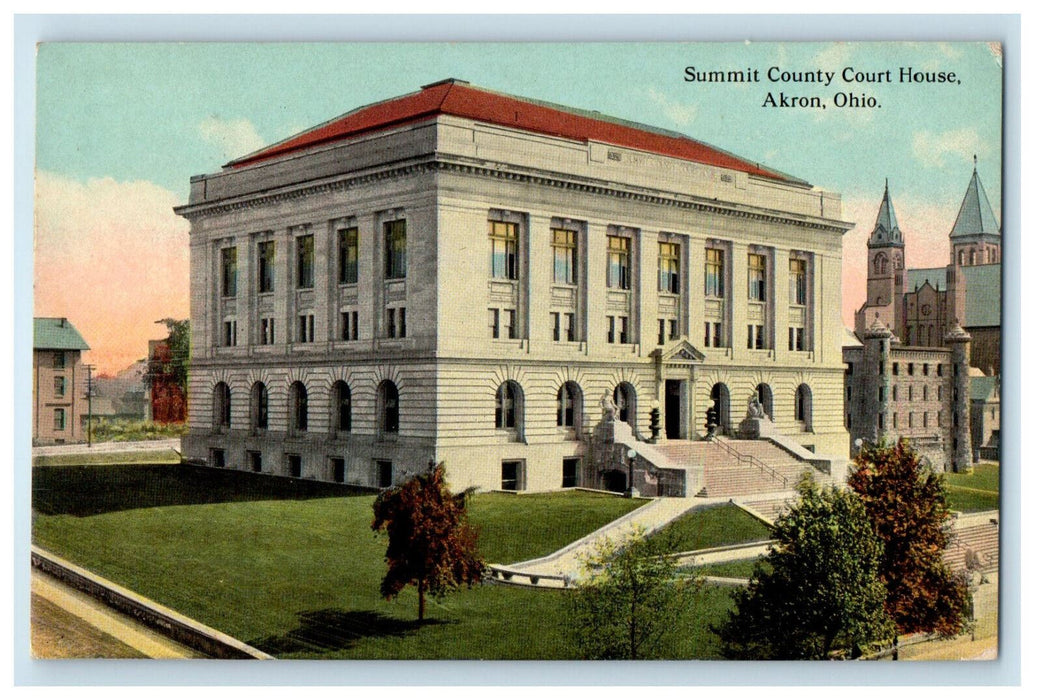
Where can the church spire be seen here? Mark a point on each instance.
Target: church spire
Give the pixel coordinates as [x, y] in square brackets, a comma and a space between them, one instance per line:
[886, 232]
[975, 215]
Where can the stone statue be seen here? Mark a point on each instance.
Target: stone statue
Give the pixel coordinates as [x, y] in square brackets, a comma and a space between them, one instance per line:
[755, 407]
[611, 411]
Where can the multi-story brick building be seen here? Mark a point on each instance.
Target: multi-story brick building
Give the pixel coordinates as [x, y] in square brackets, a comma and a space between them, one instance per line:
[462, 275]
[924, 335]
[59, 382]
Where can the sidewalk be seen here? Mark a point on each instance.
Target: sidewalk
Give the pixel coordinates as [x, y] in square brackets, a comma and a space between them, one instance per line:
[108, 447]
[88, 614]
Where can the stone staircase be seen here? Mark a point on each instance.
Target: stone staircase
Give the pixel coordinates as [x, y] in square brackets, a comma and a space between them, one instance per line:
[738, 467]
[975, 540]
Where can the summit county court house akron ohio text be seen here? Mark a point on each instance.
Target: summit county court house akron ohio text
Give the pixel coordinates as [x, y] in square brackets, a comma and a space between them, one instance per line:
[465, 276]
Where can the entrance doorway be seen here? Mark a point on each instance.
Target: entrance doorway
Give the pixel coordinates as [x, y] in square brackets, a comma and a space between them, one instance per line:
[674, 409]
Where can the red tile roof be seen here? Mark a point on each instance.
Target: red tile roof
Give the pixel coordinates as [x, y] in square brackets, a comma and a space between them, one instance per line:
[460, 99]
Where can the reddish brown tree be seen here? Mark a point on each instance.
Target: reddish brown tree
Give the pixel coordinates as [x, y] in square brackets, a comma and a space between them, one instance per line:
[430, 543]
[906, 503]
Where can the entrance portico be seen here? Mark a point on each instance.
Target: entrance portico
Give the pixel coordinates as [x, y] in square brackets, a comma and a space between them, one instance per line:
[675, 372]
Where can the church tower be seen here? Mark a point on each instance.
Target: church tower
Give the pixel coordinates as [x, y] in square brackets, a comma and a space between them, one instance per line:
[886, 248]
[975, 237]
[975, 240]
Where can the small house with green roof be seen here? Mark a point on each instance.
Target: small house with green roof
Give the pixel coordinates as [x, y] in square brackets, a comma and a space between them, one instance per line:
[59, 382]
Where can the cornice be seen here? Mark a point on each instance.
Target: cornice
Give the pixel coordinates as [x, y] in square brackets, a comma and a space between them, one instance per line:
[542, 178]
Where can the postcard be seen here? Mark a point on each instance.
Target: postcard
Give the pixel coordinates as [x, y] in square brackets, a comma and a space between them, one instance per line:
[503, 351]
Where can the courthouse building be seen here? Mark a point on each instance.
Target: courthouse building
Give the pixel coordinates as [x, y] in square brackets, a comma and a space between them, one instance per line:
[461, 275]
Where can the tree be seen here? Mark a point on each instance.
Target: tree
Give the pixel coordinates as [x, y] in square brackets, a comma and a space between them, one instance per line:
[907, 506]
[171, 366]
[430, 543]
[818, 589]
[629, 598]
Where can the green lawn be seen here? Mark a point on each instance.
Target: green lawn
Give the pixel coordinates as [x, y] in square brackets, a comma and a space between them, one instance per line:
[519, 527]
[976, 491]
[293, 568]
[714, 526]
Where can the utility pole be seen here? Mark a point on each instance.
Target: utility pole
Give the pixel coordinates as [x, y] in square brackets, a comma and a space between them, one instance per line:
[90, 402]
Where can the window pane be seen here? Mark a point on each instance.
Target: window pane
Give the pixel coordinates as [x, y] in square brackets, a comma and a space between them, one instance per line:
[395, 245]
[349, 256]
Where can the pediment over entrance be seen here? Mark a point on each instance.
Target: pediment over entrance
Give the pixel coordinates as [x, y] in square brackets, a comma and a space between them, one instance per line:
[681, 352]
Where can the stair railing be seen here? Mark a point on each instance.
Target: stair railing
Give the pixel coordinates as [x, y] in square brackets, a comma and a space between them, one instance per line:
[753, 461]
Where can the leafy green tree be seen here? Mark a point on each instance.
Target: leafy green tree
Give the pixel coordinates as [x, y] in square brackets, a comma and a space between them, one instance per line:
[907, 506]
[629, 598]
[430, 544]
[817, 590]
[171, 366]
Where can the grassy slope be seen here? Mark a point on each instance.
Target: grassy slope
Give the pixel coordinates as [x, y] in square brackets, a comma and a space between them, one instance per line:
[300, 578]
[976, 491]
[714, 527]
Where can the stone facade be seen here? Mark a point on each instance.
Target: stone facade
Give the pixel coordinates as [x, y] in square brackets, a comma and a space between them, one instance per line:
[466, 291]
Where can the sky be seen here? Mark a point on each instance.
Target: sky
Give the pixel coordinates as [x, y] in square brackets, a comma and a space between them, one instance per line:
[122, 127]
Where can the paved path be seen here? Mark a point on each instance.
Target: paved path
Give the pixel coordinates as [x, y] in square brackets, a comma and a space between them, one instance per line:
[96, 615]
[568, 561]
[108, 447]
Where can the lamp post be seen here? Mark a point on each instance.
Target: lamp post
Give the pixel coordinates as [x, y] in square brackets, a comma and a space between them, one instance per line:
[631, 455]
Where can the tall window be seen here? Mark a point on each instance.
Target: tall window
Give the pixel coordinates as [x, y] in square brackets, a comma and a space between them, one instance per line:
[259, 406]
[59, 359]
[568, 404]
[714, 334]
[797, 339]
[755, 340]
[618, 262]
[503, 237]
[798, 281]
[347, 257]
[396, 322]
[803, 407]
[229, 271]
[266, 267]
[59, 419]
[298, 407]
[59, 386]
[222, 406]
[394, 249]
[565, 256]
[387, 406]
[669, 268]
[714, 272]
[229, 337]
[757, 277]
[508, 400]
[305, 262]
[341, 406]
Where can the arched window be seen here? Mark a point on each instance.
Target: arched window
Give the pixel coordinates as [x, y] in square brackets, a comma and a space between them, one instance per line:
[222, 406]
[569, 406]
[803, 407]
[298, 407]
[508, 407]
[962, 257]
[341, 401]
[721, 398]
[625, 397]
[766, 398]
[387, 406]
[259, 406]
[973, 257]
